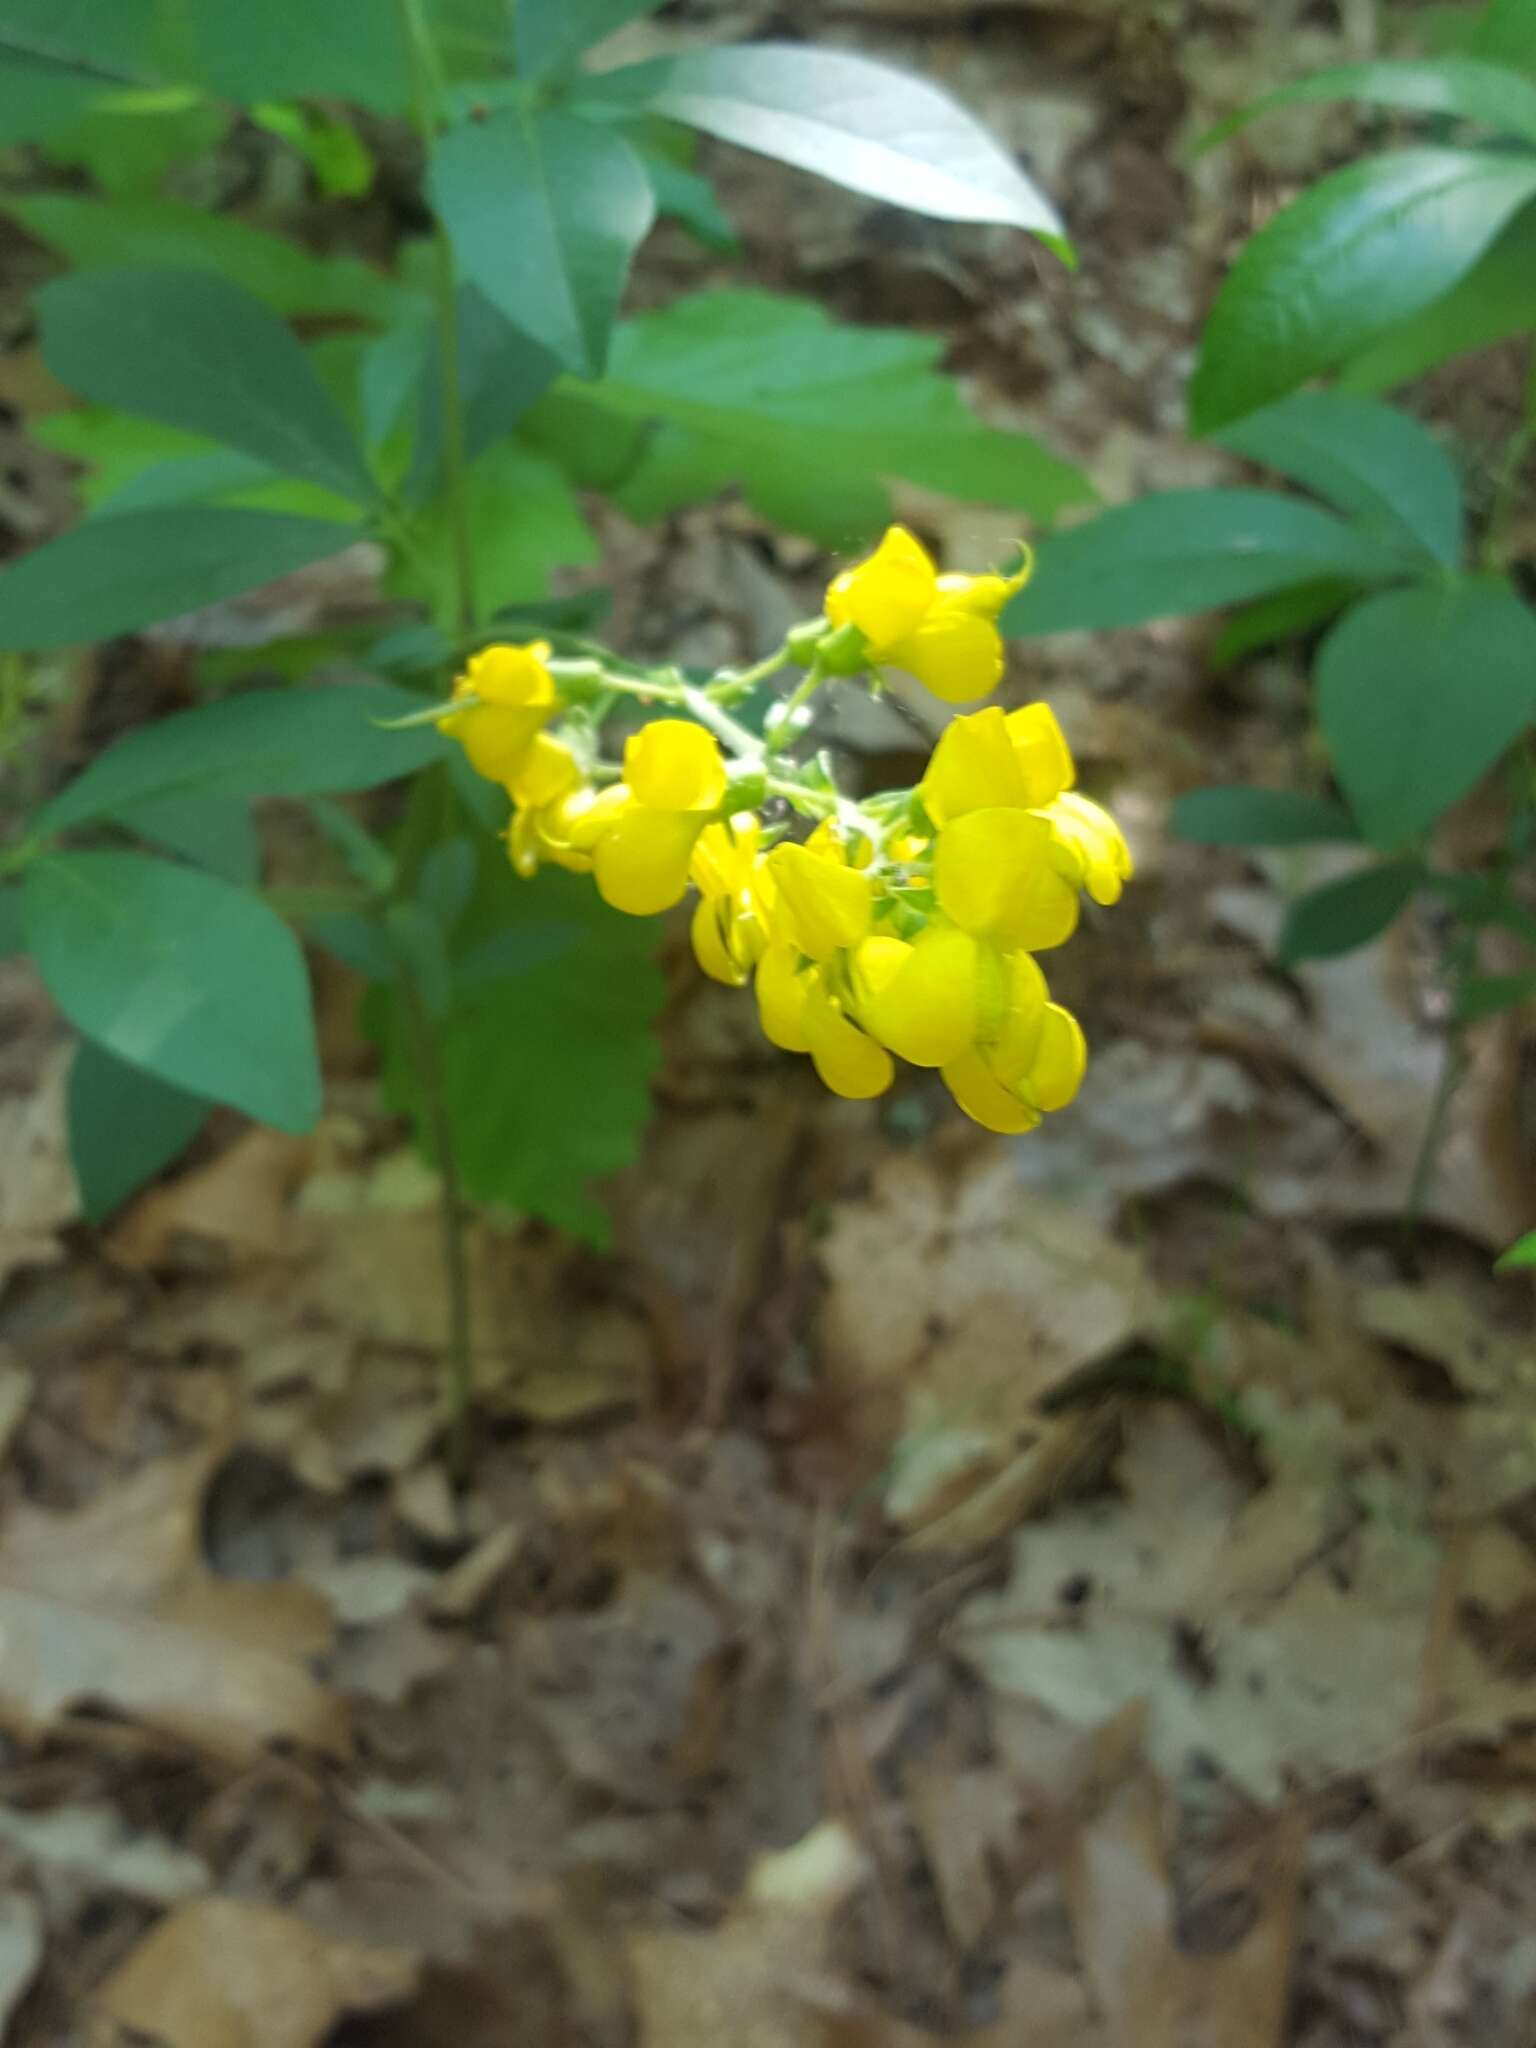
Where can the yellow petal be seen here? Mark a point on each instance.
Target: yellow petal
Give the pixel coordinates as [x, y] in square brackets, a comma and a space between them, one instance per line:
[781, 989]
[954, 653]
[641, 862]
[510, 677]
[822, 906]
[1097, 845]
[847, 1059]
[495, 739]
[886, 596]
[973, 768]
[993, 876]
[1040, 747]
[919, 999]
[674, 765]
[1061, 1057]
[984, 1098]
[986, 595]
[711, 934]
[723, 855]
[1016, 1035]
[547, 771]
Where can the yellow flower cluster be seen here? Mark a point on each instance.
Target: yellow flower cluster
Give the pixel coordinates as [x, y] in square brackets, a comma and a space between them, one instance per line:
[907, 934]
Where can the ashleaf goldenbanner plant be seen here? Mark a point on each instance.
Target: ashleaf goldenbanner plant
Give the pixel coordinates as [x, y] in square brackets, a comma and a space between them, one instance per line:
[904, 925]
[447, 411]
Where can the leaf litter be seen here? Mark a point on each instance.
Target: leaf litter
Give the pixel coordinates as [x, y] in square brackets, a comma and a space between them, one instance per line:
[918, 1588]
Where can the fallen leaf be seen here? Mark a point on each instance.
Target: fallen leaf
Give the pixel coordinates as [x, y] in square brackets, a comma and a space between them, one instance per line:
[753, 1979]
[238, 1207]
[38, 1196]
[21, 1952]
[113, 1605]
[16, 1385]
[223, 1974]
[966, 1821]
[97, 1843]
[365, 1590]
[460, 1591]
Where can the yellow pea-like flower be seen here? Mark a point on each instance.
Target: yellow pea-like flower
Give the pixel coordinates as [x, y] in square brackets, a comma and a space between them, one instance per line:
[954, 653]
[1011, 1095]
[1041, 751]
[641, 860]
[848, 1060]
[516, 694]
[995, 875]
[671, 764]
[547, 772]
[993, 759]
[920, 1000]
[731, 921]
[822, 905]
[887, 596]
[781, 987]
[1087, 832]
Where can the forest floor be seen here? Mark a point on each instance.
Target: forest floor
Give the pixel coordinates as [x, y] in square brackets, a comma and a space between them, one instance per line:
[1075, 1592]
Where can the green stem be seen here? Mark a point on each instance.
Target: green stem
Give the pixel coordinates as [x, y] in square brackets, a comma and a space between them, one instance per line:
[730, 689]
[460, 1379]
[426, 100]
[745, 745]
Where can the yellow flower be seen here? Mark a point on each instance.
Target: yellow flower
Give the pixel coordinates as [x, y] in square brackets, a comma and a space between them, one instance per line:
[547, 771]
[674, 778]
[731, 921]
[994, 759]
[821, 904]
[848, 1060]
[516, 694]
[1033, 1063]
[941, 629]
[781, 988]
[1095, 842]
[920, 1000]
[564, 831]
[996, 874]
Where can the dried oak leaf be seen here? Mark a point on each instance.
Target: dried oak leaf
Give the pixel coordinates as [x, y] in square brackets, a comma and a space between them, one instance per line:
[222, 1974]
[113, 1605]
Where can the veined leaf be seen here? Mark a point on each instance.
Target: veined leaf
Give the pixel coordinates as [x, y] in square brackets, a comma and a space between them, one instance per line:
[262, 743]
[1375, 465]
[1260, 817]
[116, 575]
[1494, 300]
[190, 349]
[1189, 551]
[546, 213]
[57, 62]
[860, 123]
[124, 1126]
[1280, 616]
[1419, 691]
[1464, 88]
[1348, 913]
[1362, 249]
[174, 971]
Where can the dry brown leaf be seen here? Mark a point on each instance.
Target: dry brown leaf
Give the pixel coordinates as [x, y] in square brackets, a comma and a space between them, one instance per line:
[38, 1196]
[962, 1304]
[1146, 1989]
[95, 1842]
[239, 1204]
[223, 1974]
[460, 1591]
[755, 1980]
[16, 1385]
[966, 1821]
[113, 1605]
[21, 1952]
[1202, 1601]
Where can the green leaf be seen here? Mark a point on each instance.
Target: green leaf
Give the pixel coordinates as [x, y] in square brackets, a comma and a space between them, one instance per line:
[342, 162]
[1505, 33]
[1362, 249]
[130, 142]
[297, 49]
[262, 743]
[190, 349]
[549, 35]
[804, 412]
[1375, 465]
[1521, 1253]
[682, 193]
[1189, 551]
[211, 831]
[545, 213]
[1486, 995]
[93, 234]
[358, 942]
[1463, 88]
[544, 1069]
[58, 60]
[13, 924]
[1419, 691]
[115, 575]
[175, 971]
[524, 522]
[860, 123]
[502, 372]
[1348, 913]
[1260, 817]
[1280, 616]
[124, 1125]
[1495, 299]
